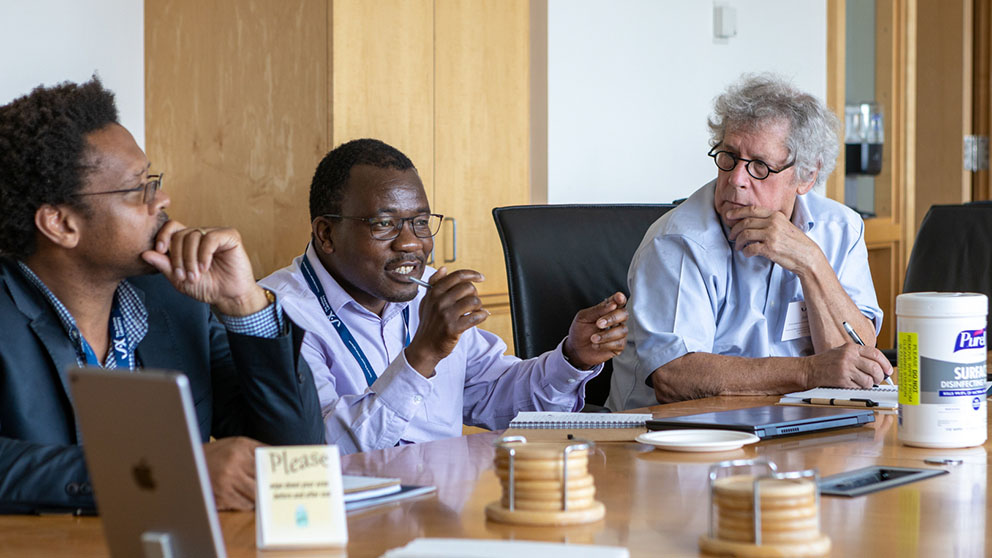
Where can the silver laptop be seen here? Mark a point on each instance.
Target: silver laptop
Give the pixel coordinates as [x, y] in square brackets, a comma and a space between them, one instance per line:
[146, 463]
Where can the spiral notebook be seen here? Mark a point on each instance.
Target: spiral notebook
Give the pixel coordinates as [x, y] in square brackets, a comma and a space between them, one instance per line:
[886, 396]
[546, 419]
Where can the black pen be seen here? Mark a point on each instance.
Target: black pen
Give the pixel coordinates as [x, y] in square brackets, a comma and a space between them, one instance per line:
[840, 402]
[854, 337]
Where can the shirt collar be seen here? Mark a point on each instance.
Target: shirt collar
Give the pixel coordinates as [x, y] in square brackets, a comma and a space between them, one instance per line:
[801, 216]
[338, 298]
[127, 298]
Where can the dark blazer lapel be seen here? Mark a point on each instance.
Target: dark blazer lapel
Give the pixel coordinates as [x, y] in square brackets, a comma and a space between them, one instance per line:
[159, 348]
[45, 323]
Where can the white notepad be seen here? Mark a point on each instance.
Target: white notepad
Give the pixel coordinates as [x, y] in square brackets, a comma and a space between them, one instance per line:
[545, 419]
[886, 396]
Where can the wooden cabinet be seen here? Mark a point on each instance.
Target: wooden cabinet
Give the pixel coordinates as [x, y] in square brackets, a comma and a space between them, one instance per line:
[889, 235]
[244, 97]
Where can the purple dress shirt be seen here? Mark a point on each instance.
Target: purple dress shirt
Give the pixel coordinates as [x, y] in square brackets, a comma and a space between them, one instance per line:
[476, 384]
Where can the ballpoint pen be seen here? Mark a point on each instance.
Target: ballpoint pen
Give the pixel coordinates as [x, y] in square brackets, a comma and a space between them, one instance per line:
[420, 282]
[854, 336]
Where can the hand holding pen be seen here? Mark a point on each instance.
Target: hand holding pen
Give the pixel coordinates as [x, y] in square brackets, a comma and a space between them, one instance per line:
[854, 337]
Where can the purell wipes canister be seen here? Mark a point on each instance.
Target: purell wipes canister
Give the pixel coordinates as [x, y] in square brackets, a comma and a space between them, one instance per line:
[942, 354]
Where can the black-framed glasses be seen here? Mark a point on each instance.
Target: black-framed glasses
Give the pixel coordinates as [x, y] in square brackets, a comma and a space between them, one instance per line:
[387, 227]
[150, 188]
[727, 161]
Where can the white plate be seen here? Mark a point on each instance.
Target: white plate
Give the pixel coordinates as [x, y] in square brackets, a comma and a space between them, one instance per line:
[697, 440]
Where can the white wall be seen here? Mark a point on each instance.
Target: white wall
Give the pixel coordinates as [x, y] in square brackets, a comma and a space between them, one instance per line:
[631, 83]
[51, 41]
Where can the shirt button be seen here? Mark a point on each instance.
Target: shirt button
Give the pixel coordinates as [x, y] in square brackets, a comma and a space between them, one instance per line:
[417, 398]
[572, 380]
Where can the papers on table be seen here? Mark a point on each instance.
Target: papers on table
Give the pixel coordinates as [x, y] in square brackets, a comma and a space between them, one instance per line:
[473, 548]
[365, 492]
[360, 488]
[886, 396]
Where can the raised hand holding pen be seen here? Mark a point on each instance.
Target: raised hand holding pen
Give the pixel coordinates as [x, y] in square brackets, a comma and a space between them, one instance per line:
[450, 307]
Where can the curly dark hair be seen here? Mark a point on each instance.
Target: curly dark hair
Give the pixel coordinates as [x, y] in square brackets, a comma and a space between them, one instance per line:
[327, 187]
[42, 154]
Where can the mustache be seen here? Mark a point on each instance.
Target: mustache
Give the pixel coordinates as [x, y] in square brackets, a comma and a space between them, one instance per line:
[409, 258]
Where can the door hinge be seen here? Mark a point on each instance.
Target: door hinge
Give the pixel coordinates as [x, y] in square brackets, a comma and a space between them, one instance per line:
[976, 153]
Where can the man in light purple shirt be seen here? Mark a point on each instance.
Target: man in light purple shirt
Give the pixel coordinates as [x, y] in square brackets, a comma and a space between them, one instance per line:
[397, 362]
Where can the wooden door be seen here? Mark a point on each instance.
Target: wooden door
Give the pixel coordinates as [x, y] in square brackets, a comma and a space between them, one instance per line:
[236, 114]
[382, 75]
[944, 102]
[482, 136]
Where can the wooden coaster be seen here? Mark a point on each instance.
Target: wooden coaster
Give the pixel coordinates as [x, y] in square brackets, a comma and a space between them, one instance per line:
[575, 462]
[810, 549]
[742, 486]
[784, 514]
[769, 537]
[496, 512]
[573, 493]
[539, 450]
[789, 519]
[767, 504]
[582, 481]
[553, 474]
[768, 525]
[550, 505]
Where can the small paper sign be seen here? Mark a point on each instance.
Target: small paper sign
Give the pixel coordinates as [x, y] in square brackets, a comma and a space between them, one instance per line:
[796, 321]
[299, 500]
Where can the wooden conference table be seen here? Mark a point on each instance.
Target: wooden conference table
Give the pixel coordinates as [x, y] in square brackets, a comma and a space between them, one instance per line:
[656, 501]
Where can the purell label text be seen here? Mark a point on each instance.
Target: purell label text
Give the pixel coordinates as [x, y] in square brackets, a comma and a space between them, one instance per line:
[970, 340]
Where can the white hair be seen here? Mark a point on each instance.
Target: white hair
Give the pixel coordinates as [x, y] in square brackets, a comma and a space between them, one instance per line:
[757, 100]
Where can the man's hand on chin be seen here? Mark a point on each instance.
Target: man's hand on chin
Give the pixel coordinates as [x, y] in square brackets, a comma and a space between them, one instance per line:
[209, 265]
[769, 233]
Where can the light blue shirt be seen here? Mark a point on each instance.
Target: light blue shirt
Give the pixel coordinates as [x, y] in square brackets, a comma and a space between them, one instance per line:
[690, 291]
[477, 384]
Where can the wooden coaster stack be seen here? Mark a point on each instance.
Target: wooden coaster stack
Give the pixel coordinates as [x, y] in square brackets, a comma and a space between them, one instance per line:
[789, 522]
[549, 485]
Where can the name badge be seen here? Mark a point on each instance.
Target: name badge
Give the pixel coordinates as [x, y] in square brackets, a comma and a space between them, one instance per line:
[299, 501]
[796, 322]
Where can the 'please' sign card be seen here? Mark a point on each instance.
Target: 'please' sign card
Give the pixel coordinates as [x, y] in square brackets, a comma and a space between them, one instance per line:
[299, 499]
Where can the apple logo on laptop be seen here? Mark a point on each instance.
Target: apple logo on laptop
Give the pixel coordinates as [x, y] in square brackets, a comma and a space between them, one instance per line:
[143, 475]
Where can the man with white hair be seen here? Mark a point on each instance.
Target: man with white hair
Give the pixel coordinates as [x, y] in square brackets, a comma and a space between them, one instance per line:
[746, 287]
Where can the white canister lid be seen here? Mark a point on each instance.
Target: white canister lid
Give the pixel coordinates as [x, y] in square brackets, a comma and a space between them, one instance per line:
[942, 305]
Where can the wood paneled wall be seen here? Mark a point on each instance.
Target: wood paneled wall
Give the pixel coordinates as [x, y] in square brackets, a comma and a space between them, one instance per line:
[237, 115]
[244, 98]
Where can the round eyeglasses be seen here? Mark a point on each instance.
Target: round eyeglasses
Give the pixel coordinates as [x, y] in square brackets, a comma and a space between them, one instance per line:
[758, 169]
[387, 227]
[149, 187]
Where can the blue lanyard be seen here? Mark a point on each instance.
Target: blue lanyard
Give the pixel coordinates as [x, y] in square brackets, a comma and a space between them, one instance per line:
[346, 337]
[118, 342]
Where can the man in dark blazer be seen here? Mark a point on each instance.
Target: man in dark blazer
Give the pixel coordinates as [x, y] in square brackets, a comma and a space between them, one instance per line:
[92, 272]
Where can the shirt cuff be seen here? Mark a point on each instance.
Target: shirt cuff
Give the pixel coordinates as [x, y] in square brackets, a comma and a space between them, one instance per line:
[568, 377]
[401, 388]
[267, 323]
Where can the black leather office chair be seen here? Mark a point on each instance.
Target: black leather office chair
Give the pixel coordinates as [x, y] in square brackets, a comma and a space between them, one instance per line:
[952, 252]
[562, 258]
